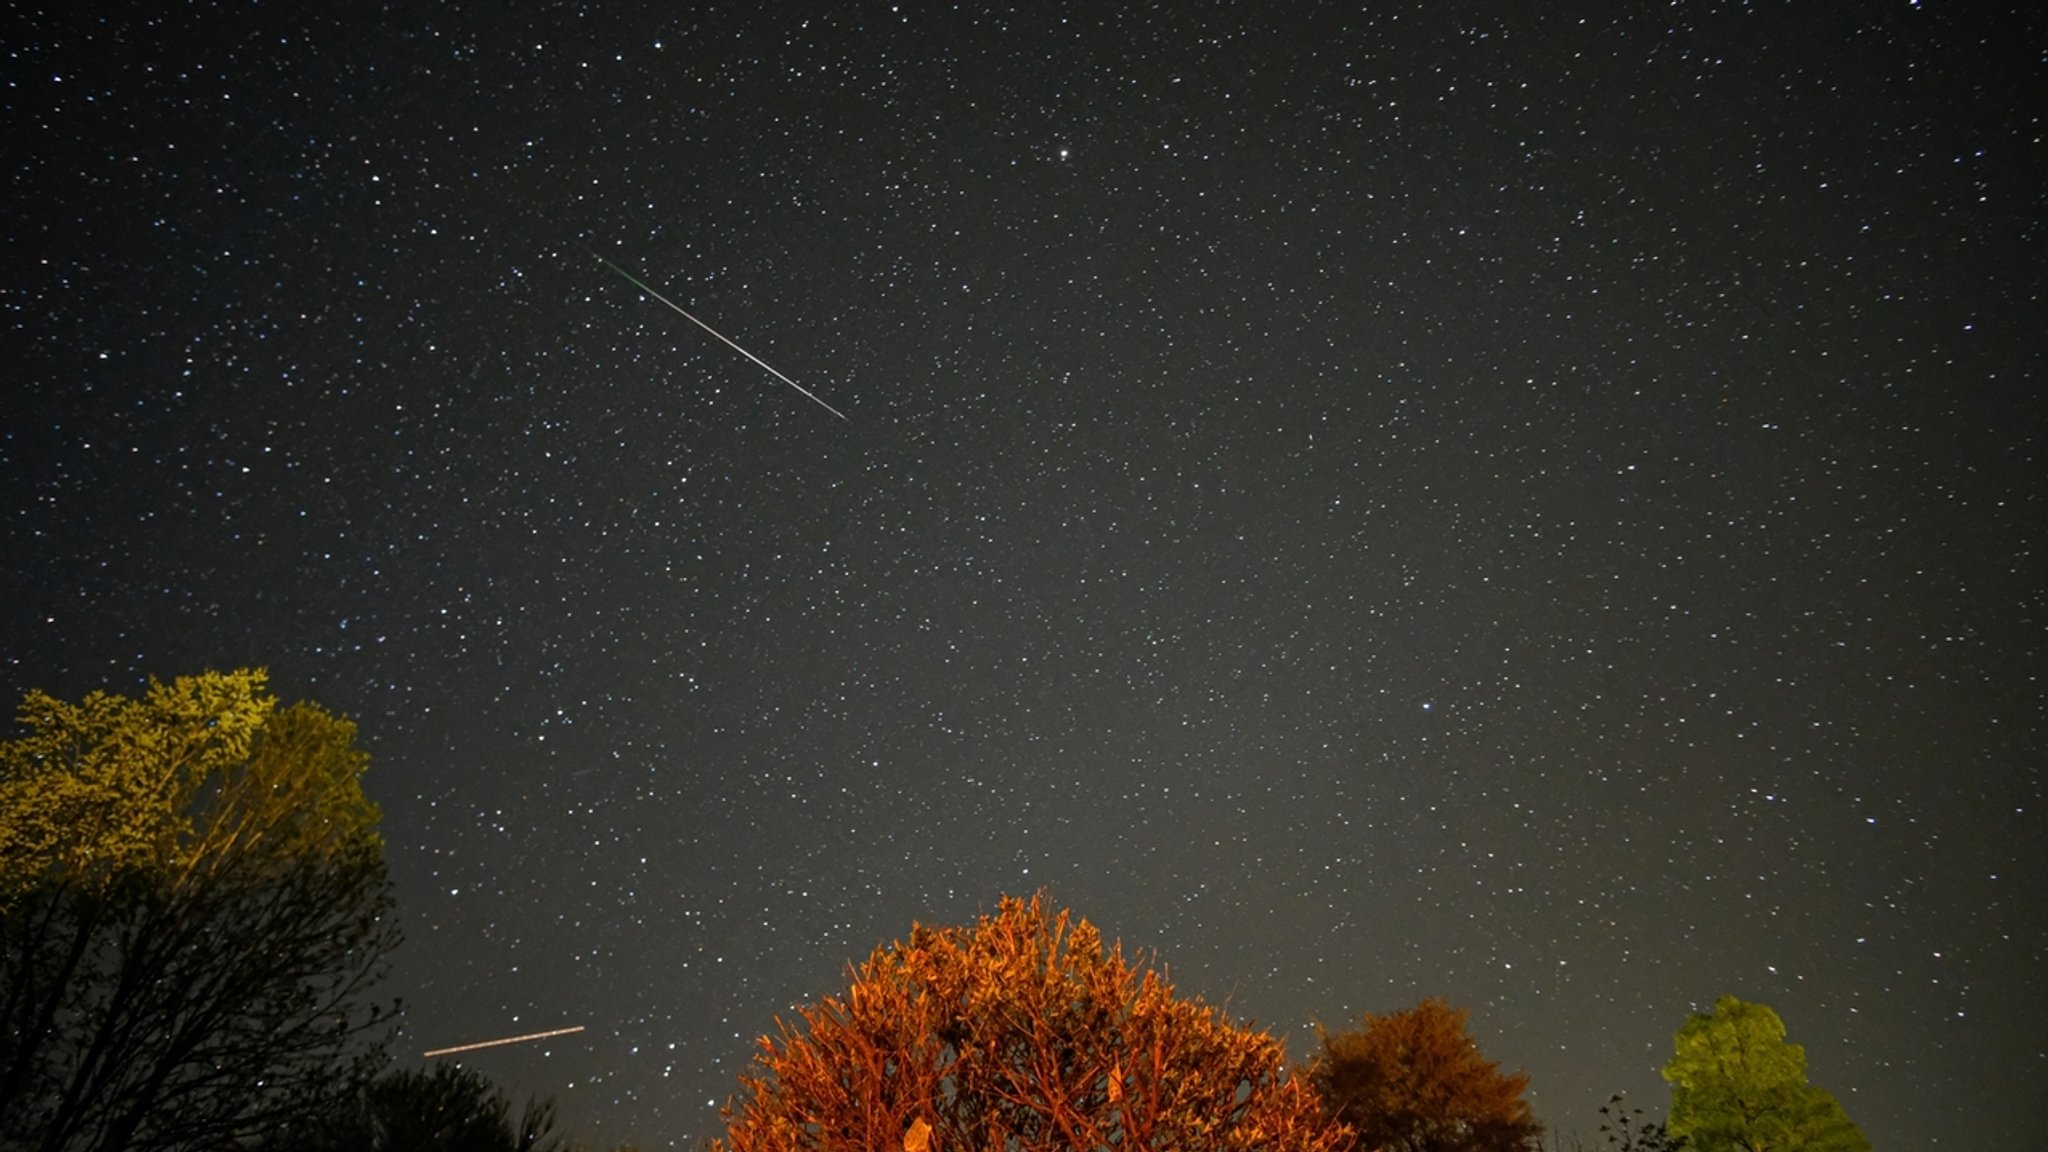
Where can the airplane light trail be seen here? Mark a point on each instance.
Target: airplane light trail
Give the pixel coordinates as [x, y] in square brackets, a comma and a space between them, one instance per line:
[638, 283]
[496, 1043]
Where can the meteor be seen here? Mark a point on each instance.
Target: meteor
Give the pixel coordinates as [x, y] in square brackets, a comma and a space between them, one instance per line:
[496, 1043]
[638, 283]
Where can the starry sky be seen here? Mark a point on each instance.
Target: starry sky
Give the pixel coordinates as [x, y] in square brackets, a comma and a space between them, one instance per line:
[1537, 505]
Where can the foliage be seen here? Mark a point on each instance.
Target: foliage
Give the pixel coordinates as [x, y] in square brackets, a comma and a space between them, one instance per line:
[193, 904]
[450, 1109]
[1625, 1130]
[1415, 1082]
[1738, 1086]
[1020, 1032]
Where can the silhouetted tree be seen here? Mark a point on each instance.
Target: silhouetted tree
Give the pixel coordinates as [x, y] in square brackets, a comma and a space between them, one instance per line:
[193, 904]
[1625, 1130]
[1414, 1081]
[1737, 1086]
[1020, 1033]
[448, 1109]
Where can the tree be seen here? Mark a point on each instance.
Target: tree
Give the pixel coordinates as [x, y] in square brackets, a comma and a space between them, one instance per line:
[450, 1109]
[1625, 1130]
[1738, 1086]
[1022, 1033]
[193, 906]
[1414, 1081]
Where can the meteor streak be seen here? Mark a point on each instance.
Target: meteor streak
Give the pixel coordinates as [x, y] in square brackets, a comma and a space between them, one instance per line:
[506, 1040]
[638, 283]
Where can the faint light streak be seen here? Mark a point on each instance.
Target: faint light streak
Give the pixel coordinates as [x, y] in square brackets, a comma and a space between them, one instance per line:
[642, 285]
[496, 1043]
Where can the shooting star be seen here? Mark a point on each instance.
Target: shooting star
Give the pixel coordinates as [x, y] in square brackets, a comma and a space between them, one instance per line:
[638, 283]
[496, 1043]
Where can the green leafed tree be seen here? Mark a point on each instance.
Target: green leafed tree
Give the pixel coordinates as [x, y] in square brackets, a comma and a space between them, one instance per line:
[193, 909]
[1738, 1086]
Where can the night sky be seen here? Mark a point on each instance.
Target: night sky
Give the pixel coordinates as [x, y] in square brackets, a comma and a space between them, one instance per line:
[1370, 501]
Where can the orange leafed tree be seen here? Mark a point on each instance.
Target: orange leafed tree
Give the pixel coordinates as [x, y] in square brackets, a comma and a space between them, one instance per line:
[1019, 1033]
[1414, 1081]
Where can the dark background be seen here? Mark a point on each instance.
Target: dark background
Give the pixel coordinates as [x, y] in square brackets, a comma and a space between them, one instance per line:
[1539, 507]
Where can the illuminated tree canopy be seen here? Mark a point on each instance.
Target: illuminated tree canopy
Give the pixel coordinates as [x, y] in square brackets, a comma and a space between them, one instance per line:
[1020, 1032]
[1738, 1086]
[193, 904]
[1414, 1081]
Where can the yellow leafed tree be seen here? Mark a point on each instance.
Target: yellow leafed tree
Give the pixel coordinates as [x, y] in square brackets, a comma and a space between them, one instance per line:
[193, 904]
[199, 775]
